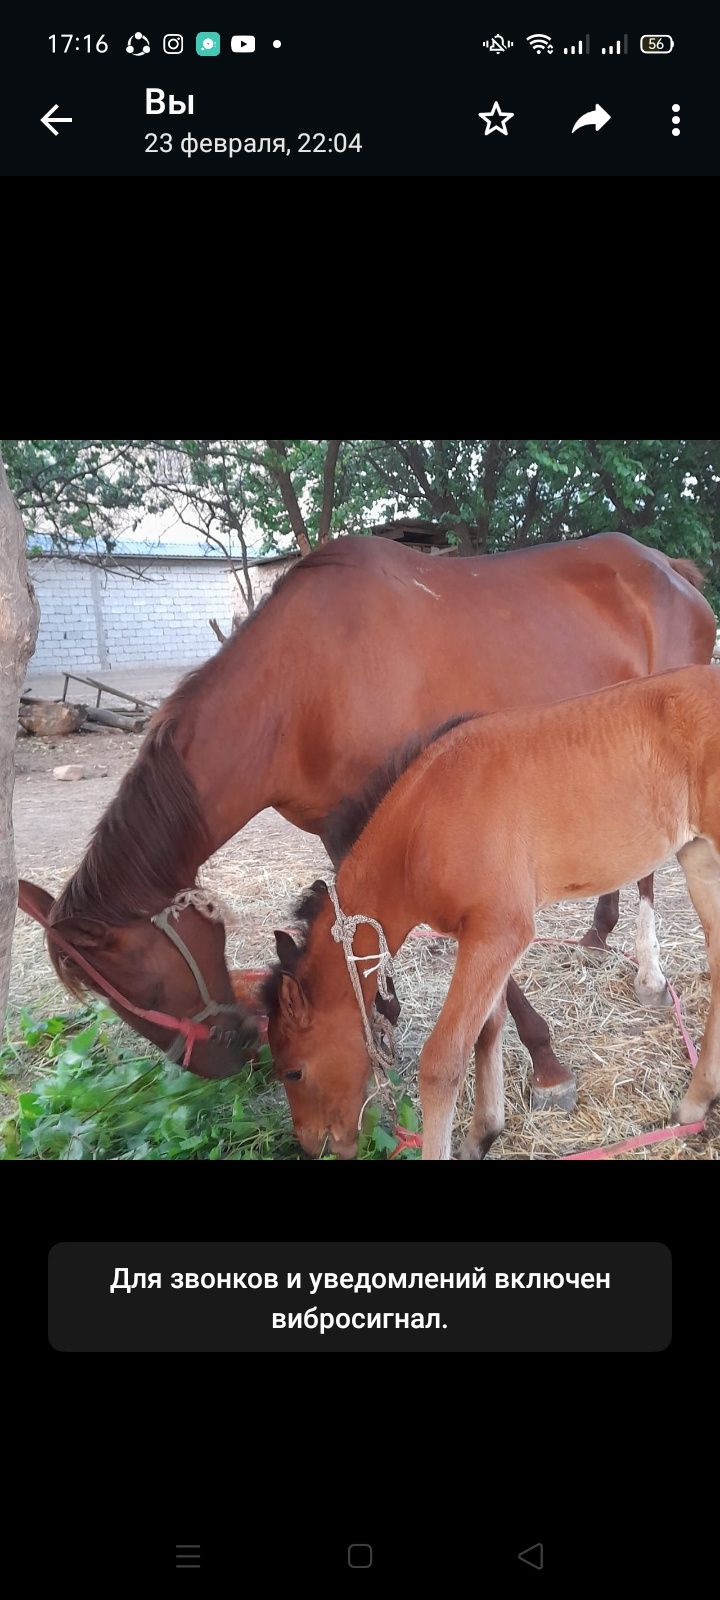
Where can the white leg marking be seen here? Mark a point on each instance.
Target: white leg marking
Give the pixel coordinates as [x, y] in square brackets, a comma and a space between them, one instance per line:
[650, 978]
[489, 1115]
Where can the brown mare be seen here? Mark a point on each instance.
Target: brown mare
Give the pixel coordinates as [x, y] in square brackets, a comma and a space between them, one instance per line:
[360, 645]
[614, 783]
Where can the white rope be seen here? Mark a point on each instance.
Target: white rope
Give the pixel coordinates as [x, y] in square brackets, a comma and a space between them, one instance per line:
[380, 1039]
[343, 931]
[206, 903]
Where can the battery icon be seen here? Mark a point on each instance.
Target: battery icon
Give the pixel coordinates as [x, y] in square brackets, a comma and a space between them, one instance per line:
[656, 44]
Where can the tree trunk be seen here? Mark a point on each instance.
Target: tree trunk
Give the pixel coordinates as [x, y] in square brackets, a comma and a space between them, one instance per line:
[328, 499]
[117, 719]
[19, 618]
[289, 498]
[464, 537]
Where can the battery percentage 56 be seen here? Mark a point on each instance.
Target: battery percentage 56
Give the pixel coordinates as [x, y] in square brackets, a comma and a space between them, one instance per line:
[656, 44]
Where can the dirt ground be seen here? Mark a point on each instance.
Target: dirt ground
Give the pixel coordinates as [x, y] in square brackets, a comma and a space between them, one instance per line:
[630, 1062]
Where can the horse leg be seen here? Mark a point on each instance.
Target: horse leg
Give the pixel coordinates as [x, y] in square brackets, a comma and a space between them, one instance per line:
[650, 982]
[552, 1083]
[699, 862]
[606, 915]
[489, 1114]
[485, 959]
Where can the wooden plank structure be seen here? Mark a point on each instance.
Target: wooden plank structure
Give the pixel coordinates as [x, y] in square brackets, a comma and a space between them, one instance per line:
[105, 688]
[416, 534]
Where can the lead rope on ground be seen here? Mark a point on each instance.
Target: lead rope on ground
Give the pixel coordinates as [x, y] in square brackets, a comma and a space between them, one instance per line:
[676, 1130]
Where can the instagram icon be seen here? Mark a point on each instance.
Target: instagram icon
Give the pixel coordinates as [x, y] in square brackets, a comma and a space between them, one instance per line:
[173, 44]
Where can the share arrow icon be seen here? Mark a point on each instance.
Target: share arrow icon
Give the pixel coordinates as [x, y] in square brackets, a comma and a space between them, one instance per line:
[593, 119]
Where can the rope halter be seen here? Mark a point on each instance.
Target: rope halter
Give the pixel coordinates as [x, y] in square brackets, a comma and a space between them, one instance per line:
[343, 930]
[192, 1028]
[188, 1030]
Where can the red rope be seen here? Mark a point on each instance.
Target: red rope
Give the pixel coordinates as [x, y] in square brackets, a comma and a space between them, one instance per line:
[602, 1152]
[406, 1141]
[187, 1026]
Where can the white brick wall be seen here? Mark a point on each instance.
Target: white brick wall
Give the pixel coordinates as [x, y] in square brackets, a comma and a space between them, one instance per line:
[263, 578]
[166, 617]
[163, 617]
[67, 627]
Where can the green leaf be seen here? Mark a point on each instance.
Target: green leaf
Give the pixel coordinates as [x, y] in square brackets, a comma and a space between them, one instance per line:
[407, 1115]
[384, 1140]
[83, 1042]
[10, 1138]
[30, 1105]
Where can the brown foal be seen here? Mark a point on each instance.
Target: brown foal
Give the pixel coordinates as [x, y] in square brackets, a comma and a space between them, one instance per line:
[612, 783]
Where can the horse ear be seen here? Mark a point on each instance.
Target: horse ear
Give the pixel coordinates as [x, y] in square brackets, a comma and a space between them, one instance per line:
[391, 1007]
[34, 900]
[287, 950]
[292, 1002]
[85, 933]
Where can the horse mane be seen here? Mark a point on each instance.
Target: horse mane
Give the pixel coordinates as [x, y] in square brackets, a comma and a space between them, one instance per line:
[345, 823]
[147, 843]
[689, 570]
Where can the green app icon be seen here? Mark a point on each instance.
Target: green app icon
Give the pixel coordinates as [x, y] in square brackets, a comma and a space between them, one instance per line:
[207, 44]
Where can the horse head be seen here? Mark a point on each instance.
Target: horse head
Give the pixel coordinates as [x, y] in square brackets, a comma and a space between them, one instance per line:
[164, 974]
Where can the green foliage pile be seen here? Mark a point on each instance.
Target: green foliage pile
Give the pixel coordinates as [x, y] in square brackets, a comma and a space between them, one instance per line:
[98, 1098]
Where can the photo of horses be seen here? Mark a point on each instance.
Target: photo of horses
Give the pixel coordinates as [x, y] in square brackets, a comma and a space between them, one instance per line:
[365, 798]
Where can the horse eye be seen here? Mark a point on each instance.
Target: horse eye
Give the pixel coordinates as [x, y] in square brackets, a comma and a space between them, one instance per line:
[294, 1075]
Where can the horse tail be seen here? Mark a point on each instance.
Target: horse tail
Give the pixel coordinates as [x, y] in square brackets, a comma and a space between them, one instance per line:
[688, 570]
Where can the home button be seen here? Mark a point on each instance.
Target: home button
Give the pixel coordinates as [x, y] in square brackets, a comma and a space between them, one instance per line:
[360, 1555]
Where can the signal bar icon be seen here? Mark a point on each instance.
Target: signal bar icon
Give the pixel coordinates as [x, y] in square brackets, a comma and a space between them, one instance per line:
[578, 49]
[539, 42]
[616, 49]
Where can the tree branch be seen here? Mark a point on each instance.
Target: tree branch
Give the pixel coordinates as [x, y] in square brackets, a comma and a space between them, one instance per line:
[283, 479]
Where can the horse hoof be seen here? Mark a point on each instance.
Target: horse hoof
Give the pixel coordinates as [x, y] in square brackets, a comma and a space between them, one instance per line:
[554, 1096]
[661, 999]
[474, 1149]
[592, 940]
[687, 1112]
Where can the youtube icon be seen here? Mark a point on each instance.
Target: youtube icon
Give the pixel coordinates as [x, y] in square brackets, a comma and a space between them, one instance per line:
[242, 41]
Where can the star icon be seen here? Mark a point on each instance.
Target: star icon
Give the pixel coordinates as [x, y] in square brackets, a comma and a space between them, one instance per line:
[496, 120]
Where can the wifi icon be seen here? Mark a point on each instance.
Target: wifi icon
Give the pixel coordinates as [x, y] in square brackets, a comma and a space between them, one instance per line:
[539, 42]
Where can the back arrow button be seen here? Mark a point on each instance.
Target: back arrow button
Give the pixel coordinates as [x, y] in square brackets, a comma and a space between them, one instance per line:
[50, 118]
[534, 1556]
